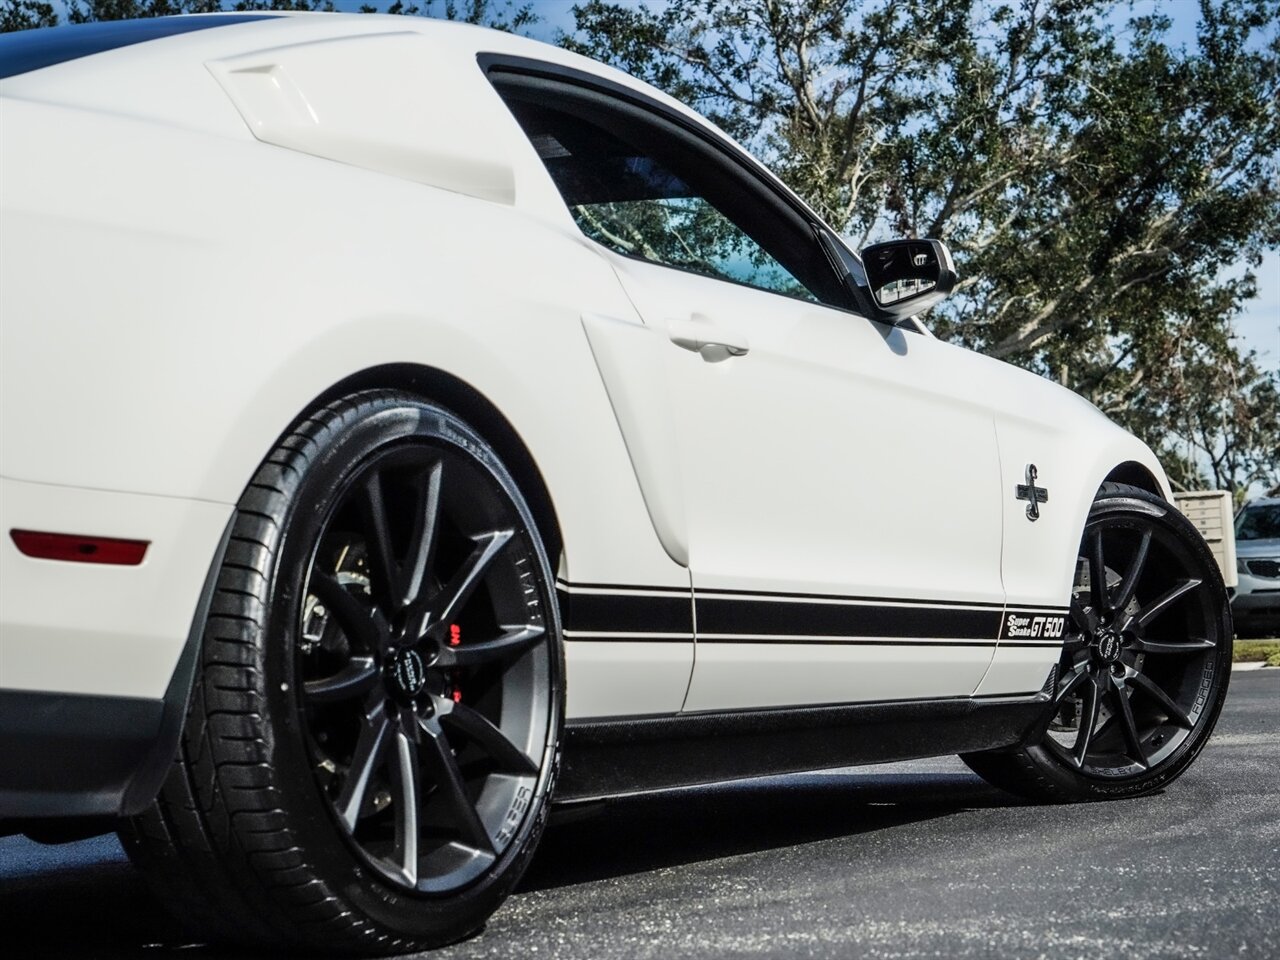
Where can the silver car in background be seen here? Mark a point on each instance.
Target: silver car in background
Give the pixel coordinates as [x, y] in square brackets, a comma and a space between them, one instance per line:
[1256, 604]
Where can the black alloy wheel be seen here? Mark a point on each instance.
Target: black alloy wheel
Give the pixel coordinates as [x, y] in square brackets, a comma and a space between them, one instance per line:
[425, 667]
[373, 736]
[1145, 663]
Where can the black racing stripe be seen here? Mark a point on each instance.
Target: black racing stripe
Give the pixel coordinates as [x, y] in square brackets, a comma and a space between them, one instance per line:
[741, 614]
[842, 642]
[622, 613]
[637, 638]
[761, 594]
[785, 618]
[620, 587]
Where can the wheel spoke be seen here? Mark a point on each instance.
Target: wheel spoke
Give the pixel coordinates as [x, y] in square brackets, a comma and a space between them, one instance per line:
[1161, 646]
[368, 753]
[1069, 687]
[353, 617]
[1098, 574]
[1074, 642]
[1152, 689]
[1086, 619]
[1165, 601]
[443, 769]
[479, 728]
[422, 542]
[1128, 725]
[1130, 582]
[1090, 704]
[513, 641]
[356, 677]
[373, 506]
[406, 778]
[454, 596]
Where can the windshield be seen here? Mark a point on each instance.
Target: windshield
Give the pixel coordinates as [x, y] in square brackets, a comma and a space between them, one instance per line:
[1259, 523]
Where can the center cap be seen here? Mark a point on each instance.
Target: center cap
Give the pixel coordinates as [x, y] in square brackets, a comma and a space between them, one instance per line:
[407, 672]
[1109, 646]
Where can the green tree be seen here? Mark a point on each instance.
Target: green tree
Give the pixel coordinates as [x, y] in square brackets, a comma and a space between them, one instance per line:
[88, 11]
[506, 15]
[25, 14]
[1096, 183]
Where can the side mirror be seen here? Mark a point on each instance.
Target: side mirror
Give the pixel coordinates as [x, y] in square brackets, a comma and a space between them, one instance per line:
[906, 277]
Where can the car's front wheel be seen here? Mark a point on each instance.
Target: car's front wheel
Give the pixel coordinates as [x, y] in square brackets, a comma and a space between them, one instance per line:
[1145, 664]
[372, 739]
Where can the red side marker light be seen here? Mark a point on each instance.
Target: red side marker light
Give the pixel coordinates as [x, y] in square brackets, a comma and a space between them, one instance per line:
[78, 549]
[455, 634]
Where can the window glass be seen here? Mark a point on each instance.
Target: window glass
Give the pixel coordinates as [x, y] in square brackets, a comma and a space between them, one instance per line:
[639, 203]
[26, 50]
[1259, 523]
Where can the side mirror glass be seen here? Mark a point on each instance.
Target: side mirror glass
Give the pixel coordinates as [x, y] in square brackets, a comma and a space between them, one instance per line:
[906, 277]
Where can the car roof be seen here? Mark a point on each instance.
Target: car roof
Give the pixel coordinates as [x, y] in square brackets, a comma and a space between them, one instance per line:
[156, 43]
[401, 90]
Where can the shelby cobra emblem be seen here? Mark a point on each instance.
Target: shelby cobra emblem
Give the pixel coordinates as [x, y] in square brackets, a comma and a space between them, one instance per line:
[1029, 491]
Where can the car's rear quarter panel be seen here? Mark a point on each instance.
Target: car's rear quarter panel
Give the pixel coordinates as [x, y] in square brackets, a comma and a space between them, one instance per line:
[171, 300]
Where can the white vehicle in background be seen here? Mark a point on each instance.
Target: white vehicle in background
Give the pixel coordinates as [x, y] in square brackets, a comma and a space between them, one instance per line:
[404, 426]
[1256, 603]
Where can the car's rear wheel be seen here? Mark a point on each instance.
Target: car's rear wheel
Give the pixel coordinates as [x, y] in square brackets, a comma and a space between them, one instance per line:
[373, 736]
[1145, 663]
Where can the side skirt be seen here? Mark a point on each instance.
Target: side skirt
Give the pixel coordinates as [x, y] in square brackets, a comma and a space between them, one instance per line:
[609, 758]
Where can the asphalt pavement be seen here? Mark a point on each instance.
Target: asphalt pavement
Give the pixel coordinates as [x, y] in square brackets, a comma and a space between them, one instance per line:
[909, 860]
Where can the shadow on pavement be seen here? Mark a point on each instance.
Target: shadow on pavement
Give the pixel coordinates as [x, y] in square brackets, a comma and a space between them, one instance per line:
[85, 900]
[639, 834]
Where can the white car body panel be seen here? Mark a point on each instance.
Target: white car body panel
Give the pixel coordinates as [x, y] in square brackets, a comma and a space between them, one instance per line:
[787, 457]
[95, 629]
[789, 452]
[630, 357]
[200, 238]
[734, 676]
[1074, 448]
[291, 97]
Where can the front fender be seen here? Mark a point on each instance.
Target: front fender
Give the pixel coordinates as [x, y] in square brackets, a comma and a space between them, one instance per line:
[1073, 448]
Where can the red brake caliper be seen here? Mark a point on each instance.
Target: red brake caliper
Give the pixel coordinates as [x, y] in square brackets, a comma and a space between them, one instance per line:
[455, 638]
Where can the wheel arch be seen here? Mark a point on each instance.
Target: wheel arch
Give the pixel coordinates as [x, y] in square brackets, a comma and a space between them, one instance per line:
[463, 399]
[1135, 475]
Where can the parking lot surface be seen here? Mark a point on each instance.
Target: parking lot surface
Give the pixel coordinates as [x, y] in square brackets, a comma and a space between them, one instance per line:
[908, 860]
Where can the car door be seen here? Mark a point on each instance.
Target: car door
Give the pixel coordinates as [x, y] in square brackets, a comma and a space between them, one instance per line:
[838, 477]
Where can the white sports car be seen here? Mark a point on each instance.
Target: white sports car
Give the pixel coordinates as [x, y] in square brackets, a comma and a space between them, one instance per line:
[407, 425]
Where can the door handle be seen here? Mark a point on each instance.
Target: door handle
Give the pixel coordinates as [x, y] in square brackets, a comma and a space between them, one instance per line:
[700, 335]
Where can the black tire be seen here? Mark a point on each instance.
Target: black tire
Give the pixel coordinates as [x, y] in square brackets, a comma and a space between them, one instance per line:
[321, 790]
[1145, 665]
